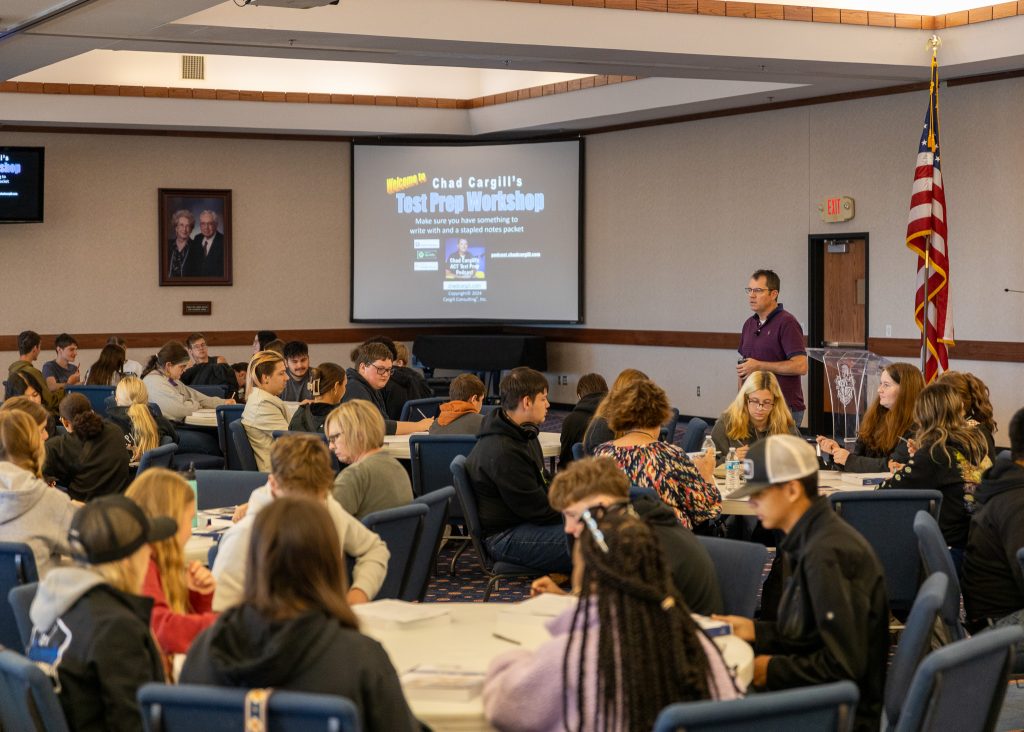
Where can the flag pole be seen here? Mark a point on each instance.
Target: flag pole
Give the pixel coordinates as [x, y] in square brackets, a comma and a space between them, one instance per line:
[933, 43]
[927, 306]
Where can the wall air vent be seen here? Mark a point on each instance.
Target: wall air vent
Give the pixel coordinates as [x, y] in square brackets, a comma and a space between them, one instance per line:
[193, 67]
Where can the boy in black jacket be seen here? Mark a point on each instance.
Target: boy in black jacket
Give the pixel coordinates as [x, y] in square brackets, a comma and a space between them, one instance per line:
[506, 469]
[833, 618]
[992, 580]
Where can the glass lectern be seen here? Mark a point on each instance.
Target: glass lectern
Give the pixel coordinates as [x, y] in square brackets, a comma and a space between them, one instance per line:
[852, 377]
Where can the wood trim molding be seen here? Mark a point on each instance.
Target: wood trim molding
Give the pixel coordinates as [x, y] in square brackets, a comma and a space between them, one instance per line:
[800, 13]
[236, 95]
[995, 351]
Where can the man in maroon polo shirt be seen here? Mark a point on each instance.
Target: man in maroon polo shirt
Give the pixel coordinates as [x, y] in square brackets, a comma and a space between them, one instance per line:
[772, 340]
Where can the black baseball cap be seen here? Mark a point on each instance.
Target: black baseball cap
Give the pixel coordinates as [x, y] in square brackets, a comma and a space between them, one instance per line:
[774, 460]
[114, 527]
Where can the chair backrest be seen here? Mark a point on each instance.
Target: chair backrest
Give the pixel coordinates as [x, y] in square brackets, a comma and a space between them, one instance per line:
[243, 448]
[220, 488]
[416, 409]
[431, 460]
[739, 566]
[470, 512]
[668, 430]
[578, 453]
[694, 436]
[1020, 558]
[226, 414]
[188, 707]
[488, 408]
[213, 390]
[1004, 455]
[886, 520]
[824, 708]
[20, 599]
[935, 554]
[17, 567]
[158, 457]
[400, 529]
[29, 701]
[979, 666]
[915, 642]
[96, 394]
[438, 504]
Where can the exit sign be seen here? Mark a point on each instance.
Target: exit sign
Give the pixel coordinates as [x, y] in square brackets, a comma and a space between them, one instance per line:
[836, 209]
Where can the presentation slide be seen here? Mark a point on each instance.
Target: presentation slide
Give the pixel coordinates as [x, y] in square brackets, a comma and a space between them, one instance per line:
[468, 232]
[21, 184]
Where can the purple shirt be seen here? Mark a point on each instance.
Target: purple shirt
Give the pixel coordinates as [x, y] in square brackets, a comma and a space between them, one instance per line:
[779, 339]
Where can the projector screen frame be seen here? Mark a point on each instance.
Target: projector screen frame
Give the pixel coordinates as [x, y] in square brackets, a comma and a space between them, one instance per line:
[412, 142]
[40, 192]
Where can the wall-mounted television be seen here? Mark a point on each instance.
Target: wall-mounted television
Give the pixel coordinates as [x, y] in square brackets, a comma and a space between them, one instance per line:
[21, 185]
[467, 232]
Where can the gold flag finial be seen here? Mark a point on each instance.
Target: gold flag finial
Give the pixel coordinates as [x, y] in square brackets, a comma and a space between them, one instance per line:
[933, 43]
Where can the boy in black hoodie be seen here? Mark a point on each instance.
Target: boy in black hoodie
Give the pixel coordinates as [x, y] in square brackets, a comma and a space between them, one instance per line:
[993, 584]
[506, 470]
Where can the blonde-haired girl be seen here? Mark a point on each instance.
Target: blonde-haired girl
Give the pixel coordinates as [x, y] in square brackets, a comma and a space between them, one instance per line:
[182, 595]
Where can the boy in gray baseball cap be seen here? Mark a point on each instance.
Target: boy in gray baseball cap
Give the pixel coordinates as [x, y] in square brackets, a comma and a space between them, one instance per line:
[833, 617]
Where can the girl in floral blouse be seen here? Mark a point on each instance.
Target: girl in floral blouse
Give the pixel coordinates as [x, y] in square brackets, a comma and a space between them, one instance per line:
[636, 414]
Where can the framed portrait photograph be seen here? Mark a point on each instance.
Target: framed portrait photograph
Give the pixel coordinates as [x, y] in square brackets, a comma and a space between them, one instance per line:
[195, 237]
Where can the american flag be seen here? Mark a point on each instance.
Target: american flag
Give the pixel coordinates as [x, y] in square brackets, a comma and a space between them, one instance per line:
[926, 235]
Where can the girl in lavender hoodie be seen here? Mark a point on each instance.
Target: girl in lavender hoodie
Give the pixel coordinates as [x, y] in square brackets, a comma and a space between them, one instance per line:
[628, 648]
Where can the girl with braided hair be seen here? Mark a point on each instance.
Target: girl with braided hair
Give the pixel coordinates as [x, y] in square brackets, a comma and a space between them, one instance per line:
[625, 651]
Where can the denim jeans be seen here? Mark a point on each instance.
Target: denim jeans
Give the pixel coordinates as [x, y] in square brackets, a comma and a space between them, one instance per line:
[541, 547]
[199, 439]
[798, 417]
[1016, 618]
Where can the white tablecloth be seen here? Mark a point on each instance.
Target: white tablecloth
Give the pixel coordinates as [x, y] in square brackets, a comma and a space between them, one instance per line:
[829, 481]
[208, 417]
[468, 641]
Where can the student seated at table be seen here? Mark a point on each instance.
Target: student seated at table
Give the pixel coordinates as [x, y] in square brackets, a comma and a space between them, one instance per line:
[277, 346]
[373, 369]
[28, 351]
[143, 429]
[293, 628]
[373, 480]
[885, 428]
[833, 619]
[22, 386]
[949, 455]
[300, 466]
[977, 406]
[240, 368]
[460, 415]
[405, 384]
[91, 459]
[264, 411]
[177, 401]
[131, 366]
[599, 482]
[636, 413]
[204, 369]
[992, 580]
[591, 389]
[506, 470]
[31, 512]
[598, 432]
[630, 622]
[296, 359]
[263, 337]
[90, 627]
[327, 385]
[62, 370]
[758, 410]
[182, 593]
[109, 367]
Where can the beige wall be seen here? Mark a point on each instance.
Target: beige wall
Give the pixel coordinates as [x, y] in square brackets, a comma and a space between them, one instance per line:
[676, 218]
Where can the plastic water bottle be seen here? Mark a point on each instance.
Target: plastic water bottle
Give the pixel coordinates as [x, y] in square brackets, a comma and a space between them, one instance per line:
[190, 477]
[732, 471]
[708, 448]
